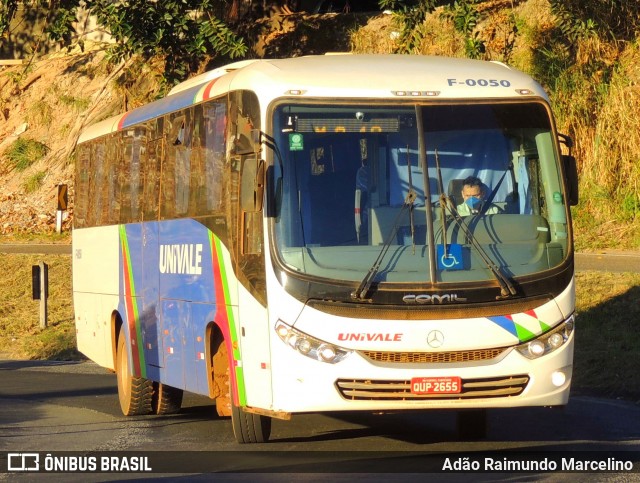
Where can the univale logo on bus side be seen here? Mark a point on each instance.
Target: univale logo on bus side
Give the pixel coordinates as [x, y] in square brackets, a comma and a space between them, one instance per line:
[181, 259]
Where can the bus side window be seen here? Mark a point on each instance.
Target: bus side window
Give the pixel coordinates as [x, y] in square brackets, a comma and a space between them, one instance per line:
[82, 185]
[196, 193]
[214, 115]
[94, 213]
[130, 175]
[180, 139]
[151, 171]
[138, 154]
[172, 125]
[111, 191]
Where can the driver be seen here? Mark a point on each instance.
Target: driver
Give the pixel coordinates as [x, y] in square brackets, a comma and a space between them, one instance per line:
[473, 199]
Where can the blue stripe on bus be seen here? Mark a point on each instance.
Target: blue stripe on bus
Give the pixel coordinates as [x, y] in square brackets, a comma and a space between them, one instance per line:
[172, 269]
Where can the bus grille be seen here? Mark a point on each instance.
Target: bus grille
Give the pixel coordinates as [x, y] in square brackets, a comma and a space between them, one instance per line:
[385, 390]
[435, 357]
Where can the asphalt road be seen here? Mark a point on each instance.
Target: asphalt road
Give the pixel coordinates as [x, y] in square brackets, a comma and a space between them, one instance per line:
[72, 406]
[36, 248]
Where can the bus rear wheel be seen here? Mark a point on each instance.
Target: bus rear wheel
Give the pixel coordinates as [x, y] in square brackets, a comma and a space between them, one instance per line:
[166, 399]
[135, 393]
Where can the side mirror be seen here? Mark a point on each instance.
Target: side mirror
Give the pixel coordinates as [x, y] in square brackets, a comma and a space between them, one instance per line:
[252, 185]
[571, 178]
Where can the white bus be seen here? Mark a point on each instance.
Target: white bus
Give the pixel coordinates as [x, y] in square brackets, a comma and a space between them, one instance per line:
[297, 235]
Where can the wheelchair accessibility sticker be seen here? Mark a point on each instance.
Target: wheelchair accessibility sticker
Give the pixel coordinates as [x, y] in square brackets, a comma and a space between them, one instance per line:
[451, 258]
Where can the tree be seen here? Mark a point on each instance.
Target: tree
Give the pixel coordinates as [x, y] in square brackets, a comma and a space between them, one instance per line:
[411, 14]
[182, 32]
[7, 11]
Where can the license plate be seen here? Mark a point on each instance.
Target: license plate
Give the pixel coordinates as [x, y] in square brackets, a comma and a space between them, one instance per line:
[436, 385]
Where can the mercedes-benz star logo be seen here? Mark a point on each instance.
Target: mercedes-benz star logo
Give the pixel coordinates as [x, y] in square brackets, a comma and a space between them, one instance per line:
[435, 338]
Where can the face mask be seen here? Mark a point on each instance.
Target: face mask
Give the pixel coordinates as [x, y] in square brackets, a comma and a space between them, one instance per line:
[473, 202]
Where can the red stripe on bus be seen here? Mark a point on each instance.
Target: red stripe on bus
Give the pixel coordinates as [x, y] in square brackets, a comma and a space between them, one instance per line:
[207, 90]
[222, 317]
[121, 121]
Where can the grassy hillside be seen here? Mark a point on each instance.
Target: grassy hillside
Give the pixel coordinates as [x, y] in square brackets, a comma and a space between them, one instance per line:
[593, 81]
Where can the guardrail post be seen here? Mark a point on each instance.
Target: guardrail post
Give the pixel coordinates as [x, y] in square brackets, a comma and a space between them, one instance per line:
[40, 283]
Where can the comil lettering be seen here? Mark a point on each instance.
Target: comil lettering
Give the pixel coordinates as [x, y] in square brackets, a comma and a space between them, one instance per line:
[182, 259]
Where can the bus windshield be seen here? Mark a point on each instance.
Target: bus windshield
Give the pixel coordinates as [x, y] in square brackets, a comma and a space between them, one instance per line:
[431, 193]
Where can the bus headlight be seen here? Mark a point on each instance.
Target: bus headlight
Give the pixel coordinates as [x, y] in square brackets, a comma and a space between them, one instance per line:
[549, 341]
[310, 346]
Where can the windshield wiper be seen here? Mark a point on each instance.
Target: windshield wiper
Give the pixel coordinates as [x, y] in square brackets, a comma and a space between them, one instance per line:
[506, 285]
[411, 190]
[361, 292]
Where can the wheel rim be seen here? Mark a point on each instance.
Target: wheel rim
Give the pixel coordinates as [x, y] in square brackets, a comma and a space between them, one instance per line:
[123, 372]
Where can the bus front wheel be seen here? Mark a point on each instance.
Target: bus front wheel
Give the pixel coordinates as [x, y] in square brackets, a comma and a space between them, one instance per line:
[135, 393]
[249, 427]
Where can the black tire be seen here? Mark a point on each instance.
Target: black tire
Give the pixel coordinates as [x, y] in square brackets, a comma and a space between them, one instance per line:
[249, 427]
[472, 424]
[135, 393]
[166, 399]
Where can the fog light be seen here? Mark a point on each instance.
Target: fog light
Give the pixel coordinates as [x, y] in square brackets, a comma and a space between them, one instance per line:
[536, 348]
[558, 378]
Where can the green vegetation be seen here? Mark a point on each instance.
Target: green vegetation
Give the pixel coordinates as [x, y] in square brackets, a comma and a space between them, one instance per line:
[78, 104]
[20, 332]
[24, 152]
[34, 182]
[607, 339]
[40, 113]
[607, 343]
[182, 32]
[586, 54]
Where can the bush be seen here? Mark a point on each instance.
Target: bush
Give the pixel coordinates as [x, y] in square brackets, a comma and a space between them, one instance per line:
[613, 19]
[33, 183]
[24, 152]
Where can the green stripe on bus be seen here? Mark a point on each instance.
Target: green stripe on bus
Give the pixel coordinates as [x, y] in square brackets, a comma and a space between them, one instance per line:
[134, 303]
[233, 329]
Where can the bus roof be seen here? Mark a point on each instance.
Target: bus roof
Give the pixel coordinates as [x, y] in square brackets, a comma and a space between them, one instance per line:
[369, 76]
